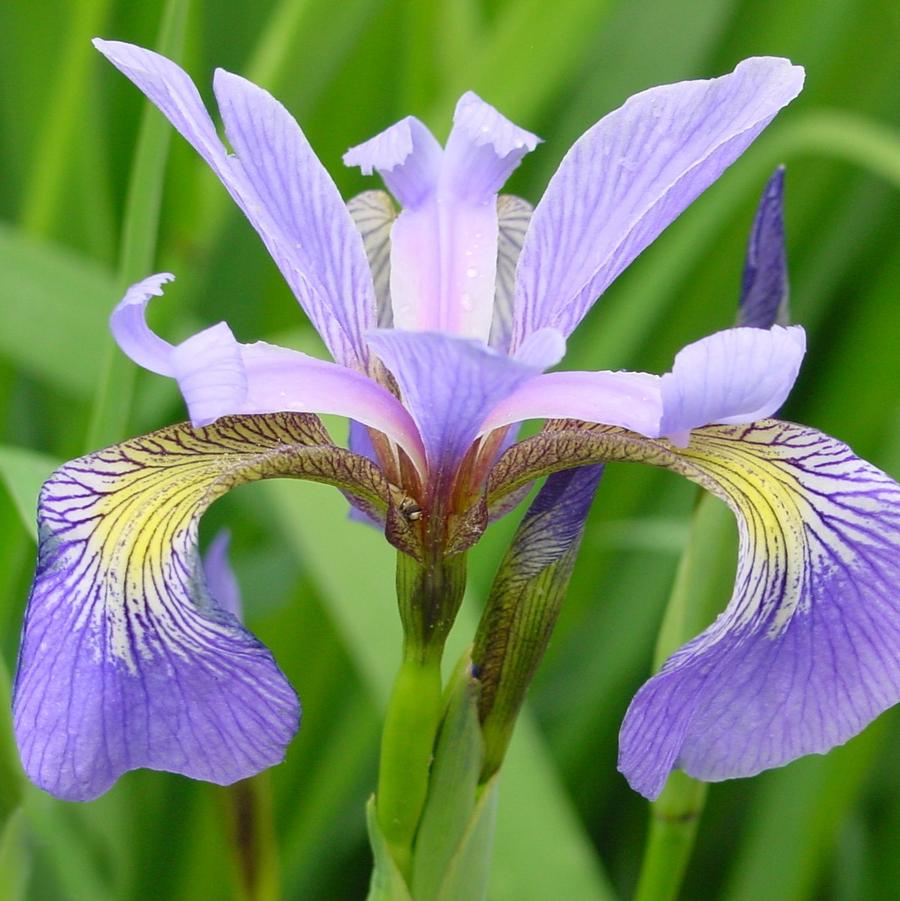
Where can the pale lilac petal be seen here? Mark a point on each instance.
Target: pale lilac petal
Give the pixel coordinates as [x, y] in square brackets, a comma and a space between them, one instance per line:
[443, 267]
[482, 151]
[808, 651]
[764, 292]
[211, 374]
[219, 376]
[407, 157]
[737, 375]
[125, 661]
[630, 176]
[542, 349]
[281, 187]
[449, 385]
[128, 324]
[444, 244]
[627, 399]
[279, 379]
[220, 578]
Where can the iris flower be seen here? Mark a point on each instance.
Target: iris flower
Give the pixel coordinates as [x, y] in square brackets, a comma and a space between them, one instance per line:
[442, 320]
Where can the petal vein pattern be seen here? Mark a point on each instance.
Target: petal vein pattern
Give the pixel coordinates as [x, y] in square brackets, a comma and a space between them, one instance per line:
[806, 652]
[281, 187]
[627, 178]
[127, 660]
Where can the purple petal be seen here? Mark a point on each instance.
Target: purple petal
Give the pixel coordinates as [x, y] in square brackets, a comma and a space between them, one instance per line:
[126, 661]
[628, 399]
[764, 292]
[482, 151]
[808, 651]
[218, 377]
[280, 185]
[128, 324]
[449, 385]
[737, 375]
[630, 176]
[406, 156]
[220, 579]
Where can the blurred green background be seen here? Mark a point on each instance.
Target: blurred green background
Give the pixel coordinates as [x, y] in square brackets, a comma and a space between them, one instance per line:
[78, 221]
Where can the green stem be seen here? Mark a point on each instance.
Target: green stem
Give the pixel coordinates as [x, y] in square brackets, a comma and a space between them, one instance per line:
[429, 596]
[407, 743]
[254, 850]
[674, 817]
[703, 582]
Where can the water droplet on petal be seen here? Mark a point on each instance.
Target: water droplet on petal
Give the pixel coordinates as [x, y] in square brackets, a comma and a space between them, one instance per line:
[466, 300]
[472, 272]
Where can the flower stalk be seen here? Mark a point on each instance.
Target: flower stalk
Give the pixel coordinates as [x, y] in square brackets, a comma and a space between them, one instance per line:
[429, 596]
[704, 576]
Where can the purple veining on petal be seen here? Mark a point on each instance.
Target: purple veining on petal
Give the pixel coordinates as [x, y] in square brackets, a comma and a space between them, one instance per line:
[449, 385]
[630, 176]
[281, 187]
[733, 376]
[764, 288]
[125, 662]
[808, 651]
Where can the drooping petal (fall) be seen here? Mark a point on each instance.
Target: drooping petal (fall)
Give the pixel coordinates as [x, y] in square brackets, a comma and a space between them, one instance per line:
[630, 176]
[764, 288]
[280, 185]
[449, 385]
[806, 654]
[218, 376]
[737, 375]
[126, 662]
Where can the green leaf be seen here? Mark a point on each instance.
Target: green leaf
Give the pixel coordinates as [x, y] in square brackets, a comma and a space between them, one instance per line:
[469, 872]
[23, 471]
[452, 789]
[139, 235]
[55, 305]
[15, 859]
[387, 883]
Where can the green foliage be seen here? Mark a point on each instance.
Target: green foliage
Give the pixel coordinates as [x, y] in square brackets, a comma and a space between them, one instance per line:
[319, 589]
